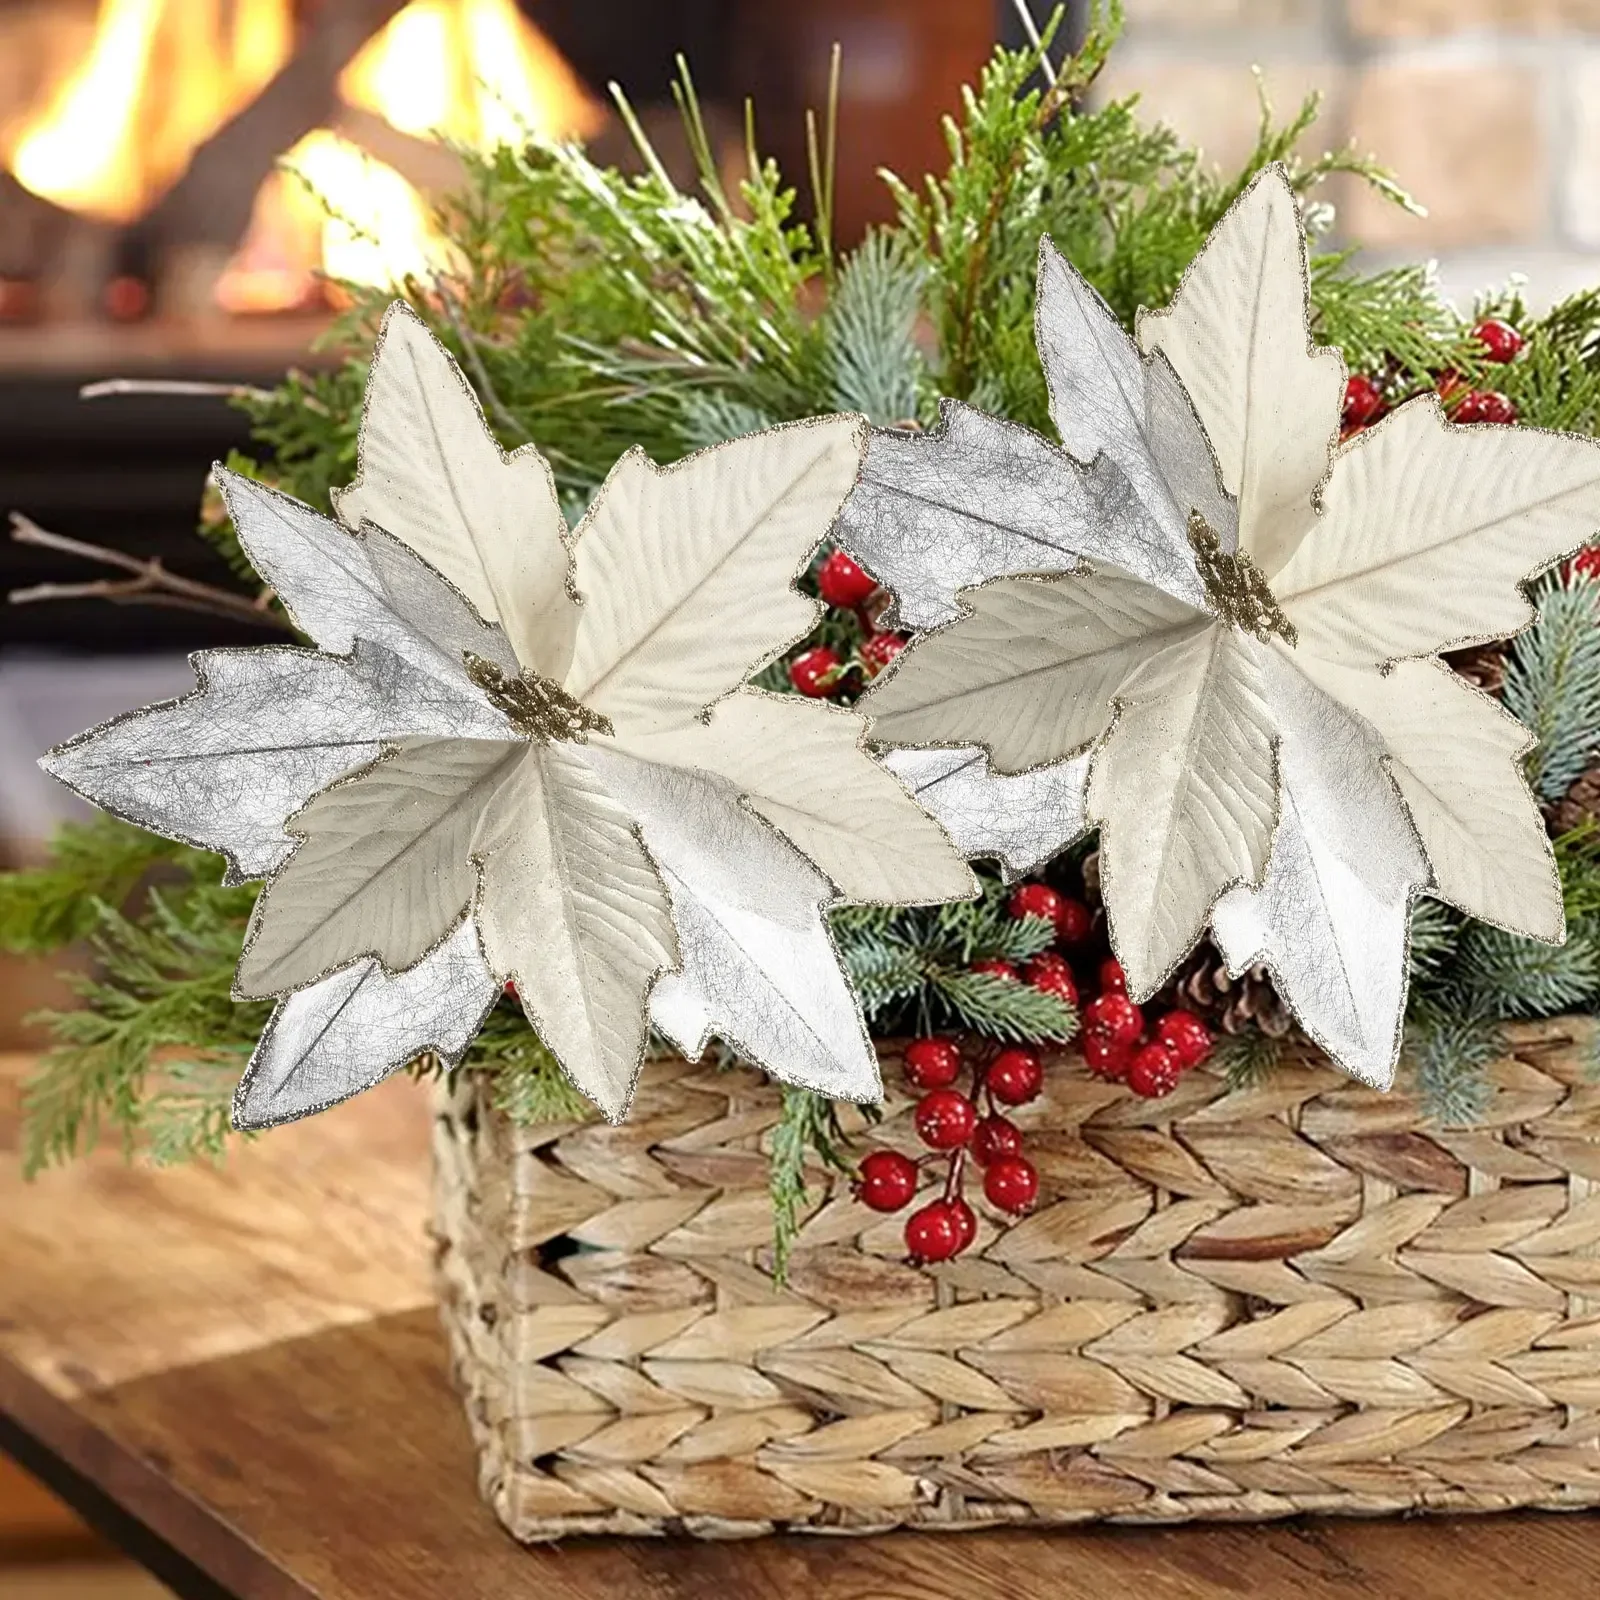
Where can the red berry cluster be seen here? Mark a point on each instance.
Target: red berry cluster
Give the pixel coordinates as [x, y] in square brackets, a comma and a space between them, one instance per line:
[1117, 1042]
[955, 1124]
[1365, 399]
[821, 672]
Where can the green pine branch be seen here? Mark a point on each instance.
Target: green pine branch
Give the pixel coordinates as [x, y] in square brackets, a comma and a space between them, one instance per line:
[1448, 1052]
[807, 1128]
[912, 969]
[1553, 683]
[1503, 974]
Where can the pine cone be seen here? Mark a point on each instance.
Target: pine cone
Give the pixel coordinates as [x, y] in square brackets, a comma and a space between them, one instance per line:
[1483, 666]
[1233, 1005]
[1580, 804]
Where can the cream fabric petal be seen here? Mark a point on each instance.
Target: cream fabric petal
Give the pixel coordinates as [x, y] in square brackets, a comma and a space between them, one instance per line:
[573, 910]
[351, 1031]
[1457, 757]
[1237, 334]
[1427, 531]
[267, 728]
[803, 767]
[1184, 790]
[1332, 917]
[1030, 673]
[687, 572]
[1019, 820]
[432, 475]
[383, 867]
[758, 964]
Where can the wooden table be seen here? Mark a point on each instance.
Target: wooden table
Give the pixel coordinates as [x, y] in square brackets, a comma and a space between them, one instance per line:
[237, 1374]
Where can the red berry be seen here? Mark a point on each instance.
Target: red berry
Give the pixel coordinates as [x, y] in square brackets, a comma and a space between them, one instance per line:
[511, 989]
[1015, 1077]
[814, 672]
[995, 967]
[1153, 1072]
[887, 1180]
[1484, 405]
[1586, 564]
[932, 1063]
[1113, 980]
[1186, 1036]
[1363, 400]
[966, 1222]
[842, 583]
[934, 1233]
[993, 1138]
[1050, 974]
[1035, 900]
[1500, 340]
[1116, 1015]
[1447, 382]
[1012, 1184]
[945, 1119]
[1073, 921]
[877, 652]
[1104, 1056]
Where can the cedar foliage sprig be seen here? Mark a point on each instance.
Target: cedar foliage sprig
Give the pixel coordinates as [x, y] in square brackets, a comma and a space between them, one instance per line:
[155, 1050]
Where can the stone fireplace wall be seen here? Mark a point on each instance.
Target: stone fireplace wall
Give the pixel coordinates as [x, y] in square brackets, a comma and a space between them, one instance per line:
[1488, 111]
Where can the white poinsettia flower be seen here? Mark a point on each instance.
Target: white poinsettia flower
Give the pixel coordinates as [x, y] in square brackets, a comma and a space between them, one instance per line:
[1217, 631]
[525, 754]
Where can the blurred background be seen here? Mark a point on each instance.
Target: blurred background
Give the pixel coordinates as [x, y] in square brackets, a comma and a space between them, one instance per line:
[148, 231]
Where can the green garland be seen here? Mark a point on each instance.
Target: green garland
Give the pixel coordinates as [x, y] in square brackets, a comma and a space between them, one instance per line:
[595, 311]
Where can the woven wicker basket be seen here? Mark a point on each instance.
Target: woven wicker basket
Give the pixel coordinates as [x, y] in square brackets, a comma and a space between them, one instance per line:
[1295, 1297]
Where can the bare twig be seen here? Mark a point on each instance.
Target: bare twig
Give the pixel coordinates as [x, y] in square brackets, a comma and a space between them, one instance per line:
[173, 386]
[1030, 29]
[149, 584]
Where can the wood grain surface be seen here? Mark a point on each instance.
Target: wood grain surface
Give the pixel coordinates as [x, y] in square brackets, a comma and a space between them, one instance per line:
[248, 1360]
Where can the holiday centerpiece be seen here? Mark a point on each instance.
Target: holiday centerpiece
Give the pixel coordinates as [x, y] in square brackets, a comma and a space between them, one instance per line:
[1111, 1235]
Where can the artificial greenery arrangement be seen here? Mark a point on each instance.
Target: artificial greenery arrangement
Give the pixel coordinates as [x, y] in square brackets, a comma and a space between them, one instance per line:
[594, 310]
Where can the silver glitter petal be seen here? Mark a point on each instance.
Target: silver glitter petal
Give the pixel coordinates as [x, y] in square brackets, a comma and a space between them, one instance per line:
[1182, 455]
[352, 1030]
[758, 964]
[1020, 821]
[976, 498]
[337, 592]
[268, 728]
[1104, 397]
[1332, 917]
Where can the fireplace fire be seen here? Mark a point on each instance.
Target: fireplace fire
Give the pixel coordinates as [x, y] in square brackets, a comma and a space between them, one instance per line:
[236, 155]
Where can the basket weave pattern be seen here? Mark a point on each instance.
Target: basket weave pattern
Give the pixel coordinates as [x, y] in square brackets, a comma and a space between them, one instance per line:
[1292, 1297]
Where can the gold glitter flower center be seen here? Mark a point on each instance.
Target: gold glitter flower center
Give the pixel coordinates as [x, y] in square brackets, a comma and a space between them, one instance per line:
[1236, 587]
[538, 708]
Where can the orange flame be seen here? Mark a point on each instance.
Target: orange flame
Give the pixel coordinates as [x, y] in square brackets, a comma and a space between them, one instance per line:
[158, 80]
[162, 75]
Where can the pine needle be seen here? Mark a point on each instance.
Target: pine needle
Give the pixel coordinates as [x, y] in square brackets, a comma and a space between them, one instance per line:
[1449, 1053]
[1248, 1059]
[1553, 683]
[808, 1127]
